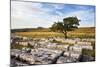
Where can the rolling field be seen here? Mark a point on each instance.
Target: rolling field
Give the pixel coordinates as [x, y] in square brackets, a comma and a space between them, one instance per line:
[86, 32]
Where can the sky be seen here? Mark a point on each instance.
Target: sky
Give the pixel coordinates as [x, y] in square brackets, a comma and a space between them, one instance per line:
[39, 14]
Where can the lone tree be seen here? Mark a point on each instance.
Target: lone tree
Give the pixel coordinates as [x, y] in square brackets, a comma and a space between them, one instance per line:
[68, 24]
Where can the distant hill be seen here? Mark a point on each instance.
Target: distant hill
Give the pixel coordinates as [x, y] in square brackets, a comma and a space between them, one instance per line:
[30, 29]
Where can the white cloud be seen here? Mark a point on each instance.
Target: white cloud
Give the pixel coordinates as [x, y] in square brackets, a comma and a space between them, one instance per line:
[57, 6]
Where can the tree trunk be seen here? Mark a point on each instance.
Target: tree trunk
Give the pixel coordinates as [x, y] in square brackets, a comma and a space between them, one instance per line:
[65, 34]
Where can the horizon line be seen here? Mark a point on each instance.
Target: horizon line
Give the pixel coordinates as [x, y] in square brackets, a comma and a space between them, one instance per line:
[49, 27]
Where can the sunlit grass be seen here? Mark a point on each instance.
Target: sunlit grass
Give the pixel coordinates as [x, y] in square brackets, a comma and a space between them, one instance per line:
[81, 33]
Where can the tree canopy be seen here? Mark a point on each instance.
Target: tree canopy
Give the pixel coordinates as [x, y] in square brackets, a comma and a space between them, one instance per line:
[68, 24]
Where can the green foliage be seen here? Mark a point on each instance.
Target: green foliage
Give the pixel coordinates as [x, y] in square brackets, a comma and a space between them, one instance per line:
[88, 52]
[29, 46]
[93, 44]
[71, 22]
[18, 46]
[57, 27]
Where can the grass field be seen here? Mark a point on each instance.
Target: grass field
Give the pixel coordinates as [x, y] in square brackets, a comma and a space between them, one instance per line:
[86, 32]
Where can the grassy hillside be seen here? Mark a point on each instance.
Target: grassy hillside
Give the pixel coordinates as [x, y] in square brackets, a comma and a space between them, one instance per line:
[86, 32]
